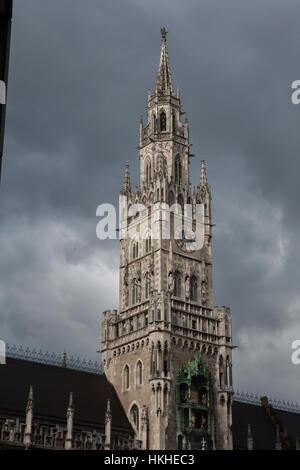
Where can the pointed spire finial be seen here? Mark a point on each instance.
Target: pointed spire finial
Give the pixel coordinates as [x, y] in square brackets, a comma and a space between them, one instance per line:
[164, 82]
[30, 397]
[71, 400]
[64, 360]
[108, 414]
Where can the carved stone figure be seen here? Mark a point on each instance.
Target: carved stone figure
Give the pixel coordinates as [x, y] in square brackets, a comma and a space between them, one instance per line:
[171, 284]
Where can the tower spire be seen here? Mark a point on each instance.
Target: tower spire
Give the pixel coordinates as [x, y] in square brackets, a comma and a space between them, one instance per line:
[164, 81]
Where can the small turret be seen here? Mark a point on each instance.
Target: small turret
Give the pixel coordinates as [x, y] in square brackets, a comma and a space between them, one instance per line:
[203, 178]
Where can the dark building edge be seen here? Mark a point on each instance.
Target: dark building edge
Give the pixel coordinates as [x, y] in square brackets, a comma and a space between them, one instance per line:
[6, 7]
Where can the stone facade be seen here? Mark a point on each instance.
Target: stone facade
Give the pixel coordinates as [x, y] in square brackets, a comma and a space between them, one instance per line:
[167, 320]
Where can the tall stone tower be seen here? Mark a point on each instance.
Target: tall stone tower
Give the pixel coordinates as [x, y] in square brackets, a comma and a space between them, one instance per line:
[168, 349]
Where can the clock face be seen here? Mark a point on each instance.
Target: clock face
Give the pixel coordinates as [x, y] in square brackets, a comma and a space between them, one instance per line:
[186, 240]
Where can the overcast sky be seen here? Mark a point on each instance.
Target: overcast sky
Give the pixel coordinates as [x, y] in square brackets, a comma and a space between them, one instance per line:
[79, 75]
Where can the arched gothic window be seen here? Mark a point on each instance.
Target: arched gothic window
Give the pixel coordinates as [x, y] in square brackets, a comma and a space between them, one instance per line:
[181, 203]
[177, 284]
[154, 122]
[139, 373]
[126, 377]
[148, 244]
[171, 198]
[147, 287]
[228, 379]
[221, 372]
[180, 442]
[148, 172]
[178, 170]
[134, 416]
[134, 292]
[226, 328]
[135, 250]
[163, 121]
[205, 210]
[194, 288]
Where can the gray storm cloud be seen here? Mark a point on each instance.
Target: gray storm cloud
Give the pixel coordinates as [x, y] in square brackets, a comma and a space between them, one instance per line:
[78, 83]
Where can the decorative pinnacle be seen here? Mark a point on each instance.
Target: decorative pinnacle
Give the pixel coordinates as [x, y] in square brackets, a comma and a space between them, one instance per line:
[30, 398]
[108, 414]
[71, 401]
[126, 184]
[64, 359]
[108, 405]
[203, 179]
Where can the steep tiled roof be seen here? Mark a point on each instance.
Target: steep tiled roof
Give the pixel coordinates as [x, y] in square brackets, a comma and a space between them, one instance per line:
[51, 389]
[262, 428]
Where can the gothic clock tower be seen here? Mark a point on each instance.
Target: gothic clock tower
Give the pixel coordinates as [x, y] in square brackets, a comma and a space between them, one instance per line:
[168, 349]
